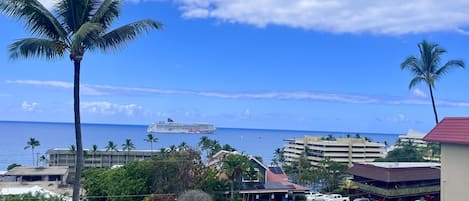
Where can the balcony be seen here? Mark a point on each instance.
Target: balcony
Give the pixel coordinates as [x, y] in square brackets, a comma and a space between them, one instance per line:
[390, 193]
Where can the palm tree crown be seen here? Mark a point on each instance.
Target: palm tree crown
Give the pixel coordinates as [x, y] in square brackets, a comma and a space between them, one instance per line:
[74, 27]
[111, 146]
[128, 145]
[426, 68]
[32, 143]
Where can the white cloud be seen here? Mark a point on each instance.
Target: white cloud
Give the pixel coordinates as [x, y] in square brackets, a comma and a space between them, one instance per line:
[419, 93]
[84, 89]
[108, 108]
[102, 90]
[396, 118]
[392, 17]
[29, 107]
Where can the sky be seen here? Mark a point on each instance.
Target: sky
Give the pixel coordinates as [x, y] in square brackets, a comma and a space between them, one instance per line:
[270, 64]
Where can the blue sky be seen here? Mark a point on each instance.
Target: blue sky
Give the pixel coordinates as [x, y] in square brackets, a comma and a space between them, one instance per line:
[298, 64]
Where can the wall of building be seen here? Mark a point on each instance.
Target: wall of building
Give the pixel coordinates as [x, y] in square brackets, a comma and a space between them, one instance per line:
[454, 171]
[343, 150]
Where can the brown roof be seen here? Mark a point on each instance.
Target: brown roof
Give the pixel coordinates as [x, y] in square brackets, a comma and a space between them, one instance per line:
[22, 171]
[394, 174]
[450, 130]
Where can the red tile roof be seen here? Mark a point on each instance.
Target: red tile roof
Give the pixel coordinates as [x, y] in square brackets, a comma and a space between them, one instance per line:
[450, 130]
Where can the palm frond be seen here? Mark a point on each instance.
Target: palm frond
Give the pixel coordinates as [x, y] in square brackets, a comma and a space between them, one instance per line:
[450, 65]
[39, 19]
[87, 32]
[415, 81]
[72, 13]
[107, 12]
[114, 39]
[413, 64]
[37, 47]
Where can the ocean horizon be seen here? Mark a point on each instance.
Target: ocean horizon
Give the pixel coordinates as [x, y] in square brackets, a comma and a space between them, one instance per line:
[253, 141]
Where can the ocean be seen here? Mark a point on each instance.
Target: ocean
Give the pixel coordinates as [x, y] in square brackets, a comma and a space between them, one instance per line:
[257, 142]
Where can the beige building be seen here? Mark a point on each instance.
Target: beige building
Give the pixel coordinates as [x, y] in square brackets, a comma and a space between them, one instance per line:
[453, 135]
[99, 158]
[343, 150]
[36, 179]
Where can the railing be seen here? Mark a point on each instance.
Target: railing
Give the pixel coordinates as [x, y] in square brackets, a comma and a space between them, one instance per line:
[398, 192]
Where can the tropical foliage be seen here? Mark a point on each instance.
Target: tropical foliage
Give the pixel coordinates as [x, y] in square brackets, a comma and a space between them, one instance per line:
[75, 27]
[32, 143]
[173, 171]
[426, 68]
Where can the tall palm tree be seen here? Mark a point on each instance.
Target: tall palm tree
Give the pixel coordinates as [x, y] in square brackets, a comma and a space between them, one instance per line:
[111, 147]
[151, 139]
[128, 145]
[32, 143]
[76, 27]
[94, 149]
[233, 166]
[426, 68]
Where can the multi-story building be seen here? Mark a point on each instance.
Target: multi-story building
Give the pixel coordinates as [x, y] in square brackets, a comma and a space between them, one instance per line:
[99, 158]
[413, 136]
[343, 150]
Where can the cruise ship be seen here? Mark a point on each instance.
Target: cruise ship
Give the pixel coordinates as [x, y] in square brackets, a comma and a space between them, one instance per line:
[171, 126]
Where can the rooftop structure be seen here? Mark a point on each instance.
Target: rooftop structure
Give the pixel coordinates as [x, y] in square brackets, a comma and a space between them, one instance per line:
[343, 150]
[32, 174]
[395, 181]
[453, 135]
[450, 130]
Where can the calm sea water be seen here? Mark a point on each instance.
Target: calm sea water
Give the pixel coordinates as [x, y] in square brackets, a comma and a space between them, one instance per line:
[259, 142]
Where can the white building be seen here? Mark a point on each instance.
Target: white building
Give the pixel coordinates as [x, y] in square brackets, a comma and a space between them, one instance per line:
[343, 150]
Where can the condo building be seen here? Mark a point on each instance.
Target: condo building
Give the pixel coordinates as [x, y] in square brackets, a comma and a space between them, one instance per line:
[98, 158]
[343, 150]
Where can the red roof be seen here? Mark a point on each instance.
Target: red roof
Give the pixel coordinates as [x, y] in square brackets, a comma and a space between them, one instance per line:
[450, 130]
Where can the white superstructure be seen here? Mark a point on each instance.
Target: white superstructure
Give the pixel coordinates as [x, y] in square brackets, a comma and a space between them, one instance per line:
[176, 127]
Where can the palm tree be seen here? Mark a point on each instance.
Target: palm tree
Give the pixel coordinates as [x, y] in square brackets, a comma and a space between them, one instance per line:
[43, 160]
[73, 151]
[427, 67]
[151, 139]
[111, 147]
[77, 27]
[32, 143]
[233, 166]
[128, 145]
[94, 149]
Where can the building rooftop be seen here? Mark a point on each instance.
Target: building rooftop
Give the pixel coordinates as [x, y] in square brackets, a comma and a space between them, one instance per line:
[450, 130]
[403, 164]
[54, 170]
[396, 172]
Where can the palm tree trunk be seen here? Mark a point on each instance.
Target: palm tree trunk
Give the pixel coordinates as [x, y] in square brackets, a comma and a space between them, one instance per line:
[151, 147]
[232, 189]
[433, 104]
[76, 108]
[32, 151]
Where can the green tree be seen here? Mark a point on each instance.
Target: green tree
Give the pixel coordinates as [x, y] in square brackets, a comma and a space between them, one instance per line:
[151, 139]
[278, 156]
[128, 145]
[406, 152]
[13, 165]
[111, 147]
[94, 149]
[233, 165]
[32, 143]
[77, 27]
[426, 67]
[43, 160]
[332, 173]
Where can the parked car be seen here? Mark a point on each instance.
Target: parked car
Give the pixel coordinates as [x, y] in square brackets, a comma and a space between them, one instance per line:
[361, 199]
